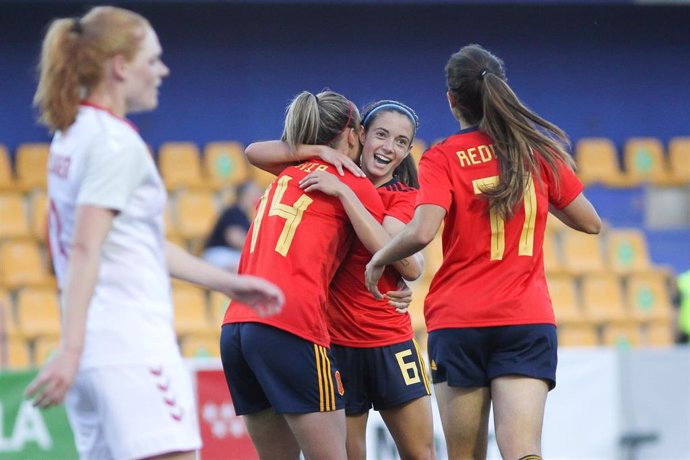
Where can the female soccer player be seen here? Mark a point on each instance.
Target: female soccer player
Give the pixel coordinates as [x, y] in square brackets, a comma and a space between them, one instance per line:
[280, 371]
[492, 335]
[373, 343]
[128, 392]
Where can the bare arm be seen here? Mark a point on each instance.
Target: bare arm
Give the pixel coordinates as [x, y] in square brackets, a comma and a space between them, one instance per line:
[274, 156]
[92, 225]
[579, 215]
[414, 237]
[265, 297]
[369, 231]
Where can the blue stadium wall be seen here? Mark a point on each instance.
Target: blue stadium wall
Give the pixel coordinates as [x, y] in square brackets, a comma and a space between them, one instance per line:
[603, 69]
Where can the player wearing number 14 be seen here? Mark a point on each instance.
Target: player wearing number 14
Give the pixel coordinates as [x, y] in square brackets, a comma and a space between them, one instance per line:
[279, 370]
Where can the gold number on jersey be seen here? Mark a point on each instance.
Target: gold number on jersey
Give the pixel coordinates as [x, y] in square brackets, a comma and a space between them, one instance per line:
[498, 243]
[409, 370]
[291, 213]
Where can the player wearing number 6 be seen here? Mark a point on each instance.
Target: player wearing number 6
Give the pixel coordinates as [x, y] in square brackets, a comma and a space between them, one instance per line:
[492, 334]
[280, 371]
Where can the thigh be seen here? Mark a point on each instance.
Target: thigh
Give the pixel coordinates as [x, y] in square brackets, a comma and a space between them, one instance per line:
[519, 404]
[465, 419]
[272, 436]
[297, 376]
[397, 374]
[526, 350]
[143, 410]
[357, 436]
[411, 425]
[321, 435]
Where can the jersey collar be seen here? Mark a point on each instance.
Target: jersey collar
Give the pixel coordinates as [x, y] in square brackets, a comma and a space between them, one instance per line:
[109, 112]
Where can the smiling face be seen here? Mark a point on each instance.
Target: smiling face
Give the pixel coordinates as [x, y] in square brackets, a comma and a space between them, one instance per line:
[386, 143]
[145, 74]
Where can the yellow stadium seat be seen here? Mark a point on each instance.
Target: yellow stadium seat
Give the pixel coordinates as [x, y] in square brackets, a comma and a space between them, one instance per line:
[433, 256]
[219, 304]
[644, 161]
[565, 301]
[261, 177]
[659, 334]
[8, 322]
[201, 347]
[191, 313]
[21, 264]
[44, 349]
[597, 162]
[225, 164]
[420, 288]
[622, 335]
[16, 354]
[31, 165]
[6, 176]
[14, 222]
[679, 160]
[180, 165]
[626, 250]
[578, 335]
[554, 225]
[582, 253]
[195, 213]
[38, 217]
[552, 258]
[602, 298]
[648, 296]
[38, 312]
[417, 150]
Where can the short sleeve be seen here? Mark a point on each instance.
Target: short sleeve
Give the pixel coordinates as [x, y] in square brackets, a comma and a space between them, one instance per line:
[567, 187]
[435, 186]
[112, 172]
[401, 205]
[367, 195]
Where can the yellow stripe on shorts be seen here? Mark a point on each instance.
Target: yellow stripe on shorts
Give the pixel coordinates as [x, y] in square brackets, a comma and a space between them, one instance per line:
[326, 387]
[425, 376]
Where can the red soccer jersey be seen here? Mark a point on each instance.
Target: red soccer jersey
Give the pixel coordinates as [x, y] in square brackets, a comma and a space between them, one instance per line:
[355, 317]
[493, 271]
[297, 241]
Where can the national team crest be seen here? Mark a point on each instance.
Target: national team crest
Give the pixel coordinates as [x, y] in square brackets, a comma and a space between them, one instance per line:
[339, 382]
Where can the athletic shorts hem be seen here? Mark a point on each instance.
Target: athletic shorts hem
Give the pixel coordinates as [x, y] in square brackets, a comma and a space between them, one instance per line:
[155, 446]
[400, 402]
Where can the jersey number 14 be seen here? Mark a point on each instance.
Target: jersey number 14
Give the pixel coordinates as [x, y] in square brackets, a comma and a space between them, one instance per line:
[291, 213]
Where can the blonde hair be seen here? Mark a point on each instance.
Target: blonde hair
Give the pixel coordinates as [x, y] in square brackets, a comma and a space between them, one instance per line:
[73, 55]
[318, 119]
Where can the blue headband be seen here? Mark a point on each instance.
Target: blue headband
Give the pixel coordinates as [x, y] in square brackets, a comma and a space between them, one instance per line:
[392, 105]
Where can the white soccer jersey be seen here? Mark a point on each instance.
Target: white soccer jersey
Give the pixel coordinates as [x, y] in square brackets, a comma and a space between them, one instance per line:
[101, 160]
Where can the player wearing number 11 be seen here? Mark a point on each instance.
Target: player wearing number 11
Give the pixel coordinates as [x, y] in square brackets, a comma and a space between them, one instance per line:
[492, 334]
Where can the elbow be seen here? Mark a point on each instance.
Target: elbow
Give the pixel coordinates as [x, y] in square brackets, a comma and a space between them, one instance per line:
[250, 153]
[592, 227]
[412, 273]
[423, 236]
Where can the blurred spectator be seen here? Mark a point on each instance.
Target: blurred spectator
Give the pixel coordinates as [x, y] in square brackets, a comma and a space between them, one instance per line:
[224, 244]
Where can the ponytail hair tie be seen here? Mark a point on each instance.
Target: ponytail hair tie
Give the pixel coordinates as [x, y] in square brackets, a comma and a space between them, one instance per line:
[76, 26]
[483, 73]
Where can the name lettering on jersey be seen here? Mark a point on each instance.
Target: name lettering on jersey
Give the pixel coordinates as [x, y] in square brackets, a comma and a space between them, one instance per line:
[59, 165]
[311, 167]
[476, 155]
